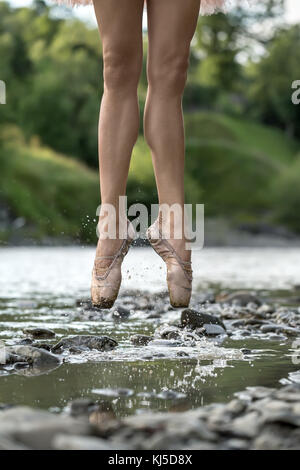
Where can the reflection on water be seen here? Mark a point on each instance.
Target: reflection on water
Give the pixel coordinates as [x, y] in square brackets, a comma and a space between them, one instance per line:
[39, 288]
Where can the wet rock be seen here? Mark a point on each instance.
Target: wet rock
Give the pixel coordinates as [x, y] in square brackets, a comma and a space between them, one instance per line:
[168, 332]
[46, 346]
[270, 328]
[245, 426]
[141, 340]
[182, 354]
[81, 407]
[39, 333]
[85, 342]
[254, 393]
[35, 357]
[277, 437]
[265, 308]
[213, 330]
[20, 365]
[194, 319]
[120, 313]
[242, 298]
[246, 351]
[25, 341]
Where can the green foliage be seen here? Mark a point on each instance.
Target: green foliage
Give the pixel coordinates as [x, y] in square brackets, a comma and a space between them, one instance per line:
[54, 194]
[271, 89]
[285, 194]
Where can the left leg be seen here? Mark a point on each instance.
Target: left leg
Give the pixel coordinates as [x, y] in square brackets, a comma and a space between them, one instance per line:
[171, 26]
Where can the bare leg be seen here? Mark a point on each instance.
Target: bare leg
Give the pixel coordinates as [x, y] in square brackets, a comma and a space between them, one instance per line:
[171, 25]
[120, 26]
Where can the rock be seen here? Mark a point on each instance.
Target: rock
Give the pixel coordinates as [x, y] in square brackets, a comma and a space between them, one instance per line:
[244, 426]
[141, 340]
[246, 351]
[35, 357]
[265, 308]
[242, 298]
[36, 428]
[46, 346]
[270, 328]
[213, 330]
[70, 442]
[39, 333]
[85, 342]
[168, 332]
[120, 313]
[194, 319]
[82, 407]
[9, 444]
[255, 393]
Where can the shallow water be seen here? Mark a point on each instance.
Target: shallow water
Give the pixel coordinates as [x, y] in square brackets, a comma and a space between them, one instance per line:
[39, 288]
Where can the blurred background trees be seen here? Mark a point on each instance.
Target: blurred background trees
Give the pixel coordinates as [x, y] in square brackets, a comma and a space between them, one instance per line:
[242, 129]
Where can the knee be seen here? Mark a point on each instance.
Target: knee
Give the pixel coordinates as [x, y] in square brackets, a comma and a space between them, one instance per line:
[122, 68]
[168, 76]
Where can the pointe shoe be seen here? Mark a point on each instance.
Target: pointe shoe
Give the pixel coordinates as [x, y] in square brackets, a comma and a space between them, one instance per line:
[106, 281]
[179, 272]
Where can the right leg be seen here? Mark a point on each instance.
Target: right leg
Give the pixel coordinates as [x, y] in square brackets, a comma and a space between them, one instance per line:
[120, 27]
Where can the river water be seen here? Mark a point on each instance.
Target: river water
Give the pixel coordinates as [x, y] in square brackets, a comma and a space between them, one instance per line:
[39, 288]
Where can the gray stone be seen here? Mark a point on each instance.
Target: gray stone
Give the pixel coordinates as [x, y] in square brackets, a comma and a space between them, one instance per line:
[120, 313]
[81, 407]
[86, 342]
[71, 442]
[244, 426]
[35, 357]
[141, 340]
[36, 428]
[194, 319]
[39, 333]
[213, 330]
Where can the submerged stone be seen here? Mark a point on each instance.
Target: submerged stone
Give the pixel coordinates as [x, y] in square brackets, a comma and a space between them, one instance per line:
[85, 342]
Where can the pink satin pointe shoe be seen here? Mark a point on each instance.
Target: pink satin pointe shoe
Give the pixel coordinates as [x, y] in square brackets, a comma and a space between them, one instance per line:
[179, 272]
[106, 281]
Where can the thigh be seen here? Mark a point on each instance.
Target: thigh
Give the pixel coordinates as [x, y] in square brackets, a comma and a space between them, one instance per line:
[120, 24]
[171, 26]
